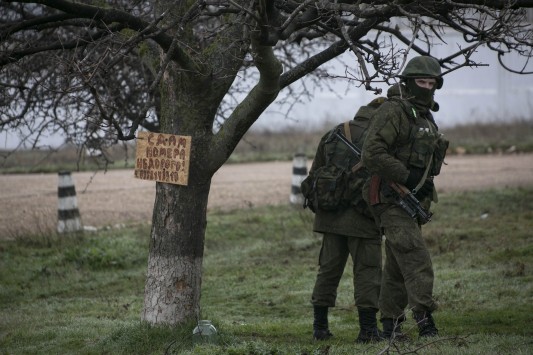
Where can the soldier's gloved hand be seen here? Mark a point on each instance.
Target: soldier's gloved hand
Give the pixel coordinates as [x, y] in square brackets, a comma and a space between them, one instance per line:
[425, 190]
[415, 175]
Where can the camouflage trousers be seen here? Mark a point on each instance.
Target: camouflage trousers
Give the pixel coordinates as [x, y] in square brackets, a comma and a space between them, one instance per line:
[366, 257]
[408, 271]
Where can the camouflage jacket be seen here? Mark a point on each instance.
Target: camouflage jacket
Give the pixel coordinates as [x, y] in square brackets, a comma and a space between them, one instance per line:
[403, 136]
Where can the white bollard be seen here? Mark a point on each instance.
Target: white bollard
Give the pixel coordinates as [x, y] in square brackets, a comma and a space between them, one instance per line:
[299, 173]
[68, 214]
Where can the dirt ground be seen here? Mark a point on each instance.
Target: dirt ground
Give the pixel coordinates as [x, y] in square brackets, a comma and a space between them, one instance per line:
[28, 203]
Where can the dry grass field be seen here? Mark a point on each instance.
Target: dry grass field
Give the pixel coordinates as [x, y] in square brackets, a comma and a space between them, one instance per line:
[29, 201]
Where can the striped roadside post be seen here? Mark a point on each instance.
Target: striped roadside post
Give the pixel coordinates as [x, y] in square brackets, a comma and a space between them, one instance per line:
[299, 173]
[68, 214]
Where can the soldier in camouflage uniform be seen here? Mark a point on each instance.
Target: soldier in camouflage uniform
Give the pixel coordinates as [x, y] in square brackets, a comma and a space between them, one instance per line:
[403, 146]
[349, 230]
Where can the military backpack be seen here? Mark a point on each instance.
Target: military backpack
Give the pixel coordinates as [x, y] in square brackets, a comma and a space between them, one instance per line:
[338, 183]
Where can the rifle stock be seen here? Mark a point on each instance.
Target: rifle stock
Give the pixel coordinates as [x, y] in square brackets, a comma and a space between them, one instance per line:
[404, 197]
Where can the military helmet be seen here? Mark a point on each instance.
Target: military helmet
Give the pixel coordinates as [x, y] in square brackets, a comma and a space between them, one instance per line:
[423, 67]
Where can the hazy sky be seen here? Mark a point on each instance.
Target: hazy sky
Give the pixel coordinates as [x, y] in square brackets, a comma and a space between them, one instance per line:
[482, 94]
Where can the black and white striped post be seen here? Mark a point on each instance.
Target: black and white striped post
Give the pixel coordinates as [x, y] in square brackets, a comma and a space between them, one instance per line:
[299, 173]
[68, 214]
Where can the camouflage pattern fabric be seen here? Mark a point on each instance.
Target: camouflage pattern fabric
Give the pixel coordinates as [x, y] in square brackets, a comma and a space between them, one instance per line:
[401, 136]
[366, 257]
[408, 271]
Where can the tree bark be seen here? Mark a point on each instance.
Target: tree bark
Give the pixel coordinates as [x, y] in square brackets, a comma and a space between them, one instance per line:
[174, 275]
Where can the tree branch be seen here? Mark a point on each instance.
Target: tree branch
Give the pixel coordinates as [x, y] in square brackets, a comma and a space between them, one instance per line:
[111, 16]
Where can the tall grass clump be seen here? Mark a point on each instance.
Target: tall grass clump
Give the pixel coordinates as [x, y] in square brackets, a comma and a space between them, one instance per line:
[472, 138]
[67, 157]
[492, 137]
[83, 294]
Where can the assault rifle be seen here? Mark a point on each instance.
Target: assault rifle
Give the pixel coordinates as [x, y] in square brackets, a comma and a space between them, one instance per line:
[404, 197]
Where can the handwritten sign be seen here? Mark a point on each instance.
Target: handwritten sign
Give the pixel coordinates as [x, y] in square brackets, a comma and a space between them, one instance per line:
[163, 157]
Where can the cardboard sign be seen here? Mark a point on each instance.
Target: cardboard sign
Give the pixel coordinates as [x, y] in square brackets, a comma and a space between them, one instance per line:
[163, 157]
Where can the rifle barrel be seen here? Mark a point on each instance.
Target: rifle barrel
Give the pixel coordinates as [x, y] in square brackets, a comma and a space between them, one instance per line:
[350, 145]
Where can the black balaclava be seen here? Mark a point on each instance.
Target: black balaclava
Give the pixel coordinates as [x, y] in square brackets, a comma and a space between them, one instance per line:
[422, 96]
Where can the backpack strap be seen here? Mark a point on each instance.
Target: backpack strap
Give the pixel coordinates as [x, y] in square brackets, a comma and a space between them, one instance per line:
[357, 166]
[347, 132]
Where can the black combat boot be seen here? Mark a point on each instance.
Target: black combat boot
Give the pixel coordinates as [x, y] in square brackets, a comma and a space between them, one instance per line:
[320, 323]
[426, 324]
[368, 325]
[392, 329]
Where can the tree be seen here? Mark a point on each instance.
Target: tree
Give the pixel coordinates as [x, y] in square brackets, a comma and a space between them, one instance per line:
[98, 71]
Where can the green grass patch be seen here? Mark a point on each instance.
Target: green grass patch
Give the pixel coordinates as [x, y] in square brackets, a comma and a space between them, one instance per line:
[83, 294]
[491, 137]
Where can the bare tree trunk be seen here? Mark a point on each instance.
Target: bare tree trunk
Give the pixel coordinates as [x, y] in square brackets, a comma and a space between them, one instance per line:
[174, 276]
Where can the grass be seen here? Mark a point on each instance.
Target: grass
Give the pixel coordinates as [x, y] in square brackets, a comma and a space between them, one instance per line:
[496, 137]
[67, 157]
[83, 294]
